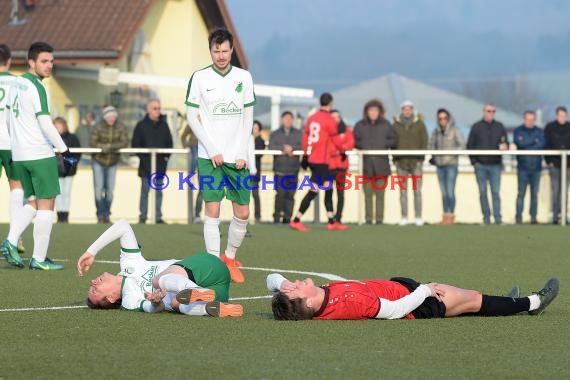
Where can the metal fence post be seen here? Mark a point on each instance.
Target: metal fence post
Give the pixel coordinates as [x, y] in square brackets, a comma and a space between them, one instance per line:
[190, 194]
[563, 188]
[360, 196]
[152, 201]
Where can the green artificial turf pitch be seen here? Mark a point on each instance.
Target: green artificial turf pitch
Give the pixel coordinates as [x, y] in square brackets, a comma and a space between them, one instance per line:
[82, 343]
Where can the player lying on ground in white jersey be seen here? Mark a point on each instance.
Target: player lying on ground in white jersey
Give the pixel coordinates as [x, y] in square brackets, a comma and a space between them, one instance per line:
[197, 285]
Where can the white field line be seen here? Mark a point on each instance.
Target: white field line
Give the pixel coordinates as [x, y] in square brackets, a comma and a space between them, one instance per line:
[327, 276]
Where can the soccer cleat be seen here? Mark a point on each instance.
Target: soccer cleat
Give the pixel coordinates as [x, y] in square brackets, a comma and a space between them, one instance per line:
[232, 265]
[340, 227]
[299, 226]
[547, 294]
[404, 222]
[10, 252]
[47, 264]
[190, 295]
[221, 310]
[226, 260]
[515, 292]
[21, 248]
[331, 227]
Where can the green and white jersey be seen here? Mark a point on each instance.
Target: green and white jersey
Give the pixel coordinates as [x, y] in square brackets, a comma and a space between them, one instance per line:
[221, 99]
[137, 277]
[6, 81]
[27, 102]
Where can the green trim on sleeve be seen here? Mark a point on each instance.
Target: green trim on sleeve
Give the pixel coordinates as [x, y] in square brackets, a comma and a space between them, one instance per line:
[190, 104]
[6, 73]
[131, 250]
[44, 108]
[250, 104]
[188, 88]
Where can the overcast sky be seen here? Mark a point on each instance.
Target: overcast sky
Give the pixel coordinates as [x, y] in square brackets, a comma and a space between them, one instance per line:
[258, 20]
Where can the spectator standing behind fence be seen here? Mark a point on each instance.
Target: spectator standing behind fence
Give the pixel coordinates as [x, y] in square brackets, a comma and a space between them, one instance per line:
[338, 163]
[63, 200]
[529, 168]
[189, 140]
[557, 136]
[374, 132]
[285, 167]
[412, 135]
[446, 137]
[151, 132]
[110, 135]
[319, 130]
[259, 144]
[488, 134]
[83, 133]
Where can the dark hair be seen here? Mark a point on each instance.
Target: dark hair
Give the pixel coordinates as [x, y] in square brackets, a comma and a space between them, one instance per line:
[258, 123]
[285, 309]
[561, 108]
[373, 103]
[287, 113]
[5, 54]
[443, 110]
[38, 47]
[529, 112]
[325, 99]
[104, 305]
[219, 36]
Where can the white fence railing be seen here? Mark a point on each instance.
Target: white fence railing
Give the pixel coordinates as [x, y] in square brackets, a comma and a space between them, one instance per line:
[359, 154]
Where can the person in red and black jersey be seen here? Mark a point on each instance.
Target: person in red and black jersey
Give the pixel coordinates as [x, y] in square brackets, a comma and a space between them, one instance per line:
[338, 164]
[397, 298]
[319, 130]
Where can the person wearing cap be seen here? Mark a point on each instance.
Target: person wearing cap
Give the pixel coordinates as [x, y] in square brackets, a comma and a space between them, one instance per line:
[412, 135]
[110, 135]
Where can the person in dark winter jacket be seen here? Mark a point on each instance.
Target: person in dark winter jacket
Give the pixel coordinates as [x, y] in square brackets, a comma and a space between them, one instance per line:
[259, 144]
[557, 136]
[63, 200]
[375, 132]
[484, 135]
[286, 166]
[152, 132]
[529, 168]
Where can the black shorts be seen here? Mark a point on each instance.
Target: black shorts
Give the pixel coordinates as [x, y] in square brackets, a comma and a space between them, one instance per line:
[430, 308]
[320, 173]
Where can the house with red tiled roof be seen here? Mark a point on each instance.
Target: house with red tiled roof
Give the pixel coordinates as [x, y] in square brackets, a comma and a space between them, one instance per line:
[95, 38]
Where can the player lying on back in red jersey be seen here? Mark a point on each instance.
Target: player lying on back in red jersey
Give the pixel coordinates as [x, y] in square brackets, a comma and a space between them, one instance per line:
[395, 299]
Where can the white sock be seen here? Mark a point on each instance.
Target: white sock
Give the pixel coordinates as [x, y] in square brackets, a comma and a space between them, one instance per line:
[197, 308]
[16, 202]
[167, 301]
[212, 235]
[236, 233]
[173, 282]
[534, 302]
[20, 222]
[42, 232]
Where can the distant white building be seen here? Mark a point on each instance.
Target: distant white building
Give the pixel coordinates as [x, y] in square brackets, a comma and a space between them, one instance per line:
[392, 89]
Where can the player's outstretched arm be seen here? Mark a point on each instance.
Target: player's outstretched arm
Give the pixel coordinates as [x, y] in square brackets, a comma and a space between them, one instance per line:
[119, 230]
